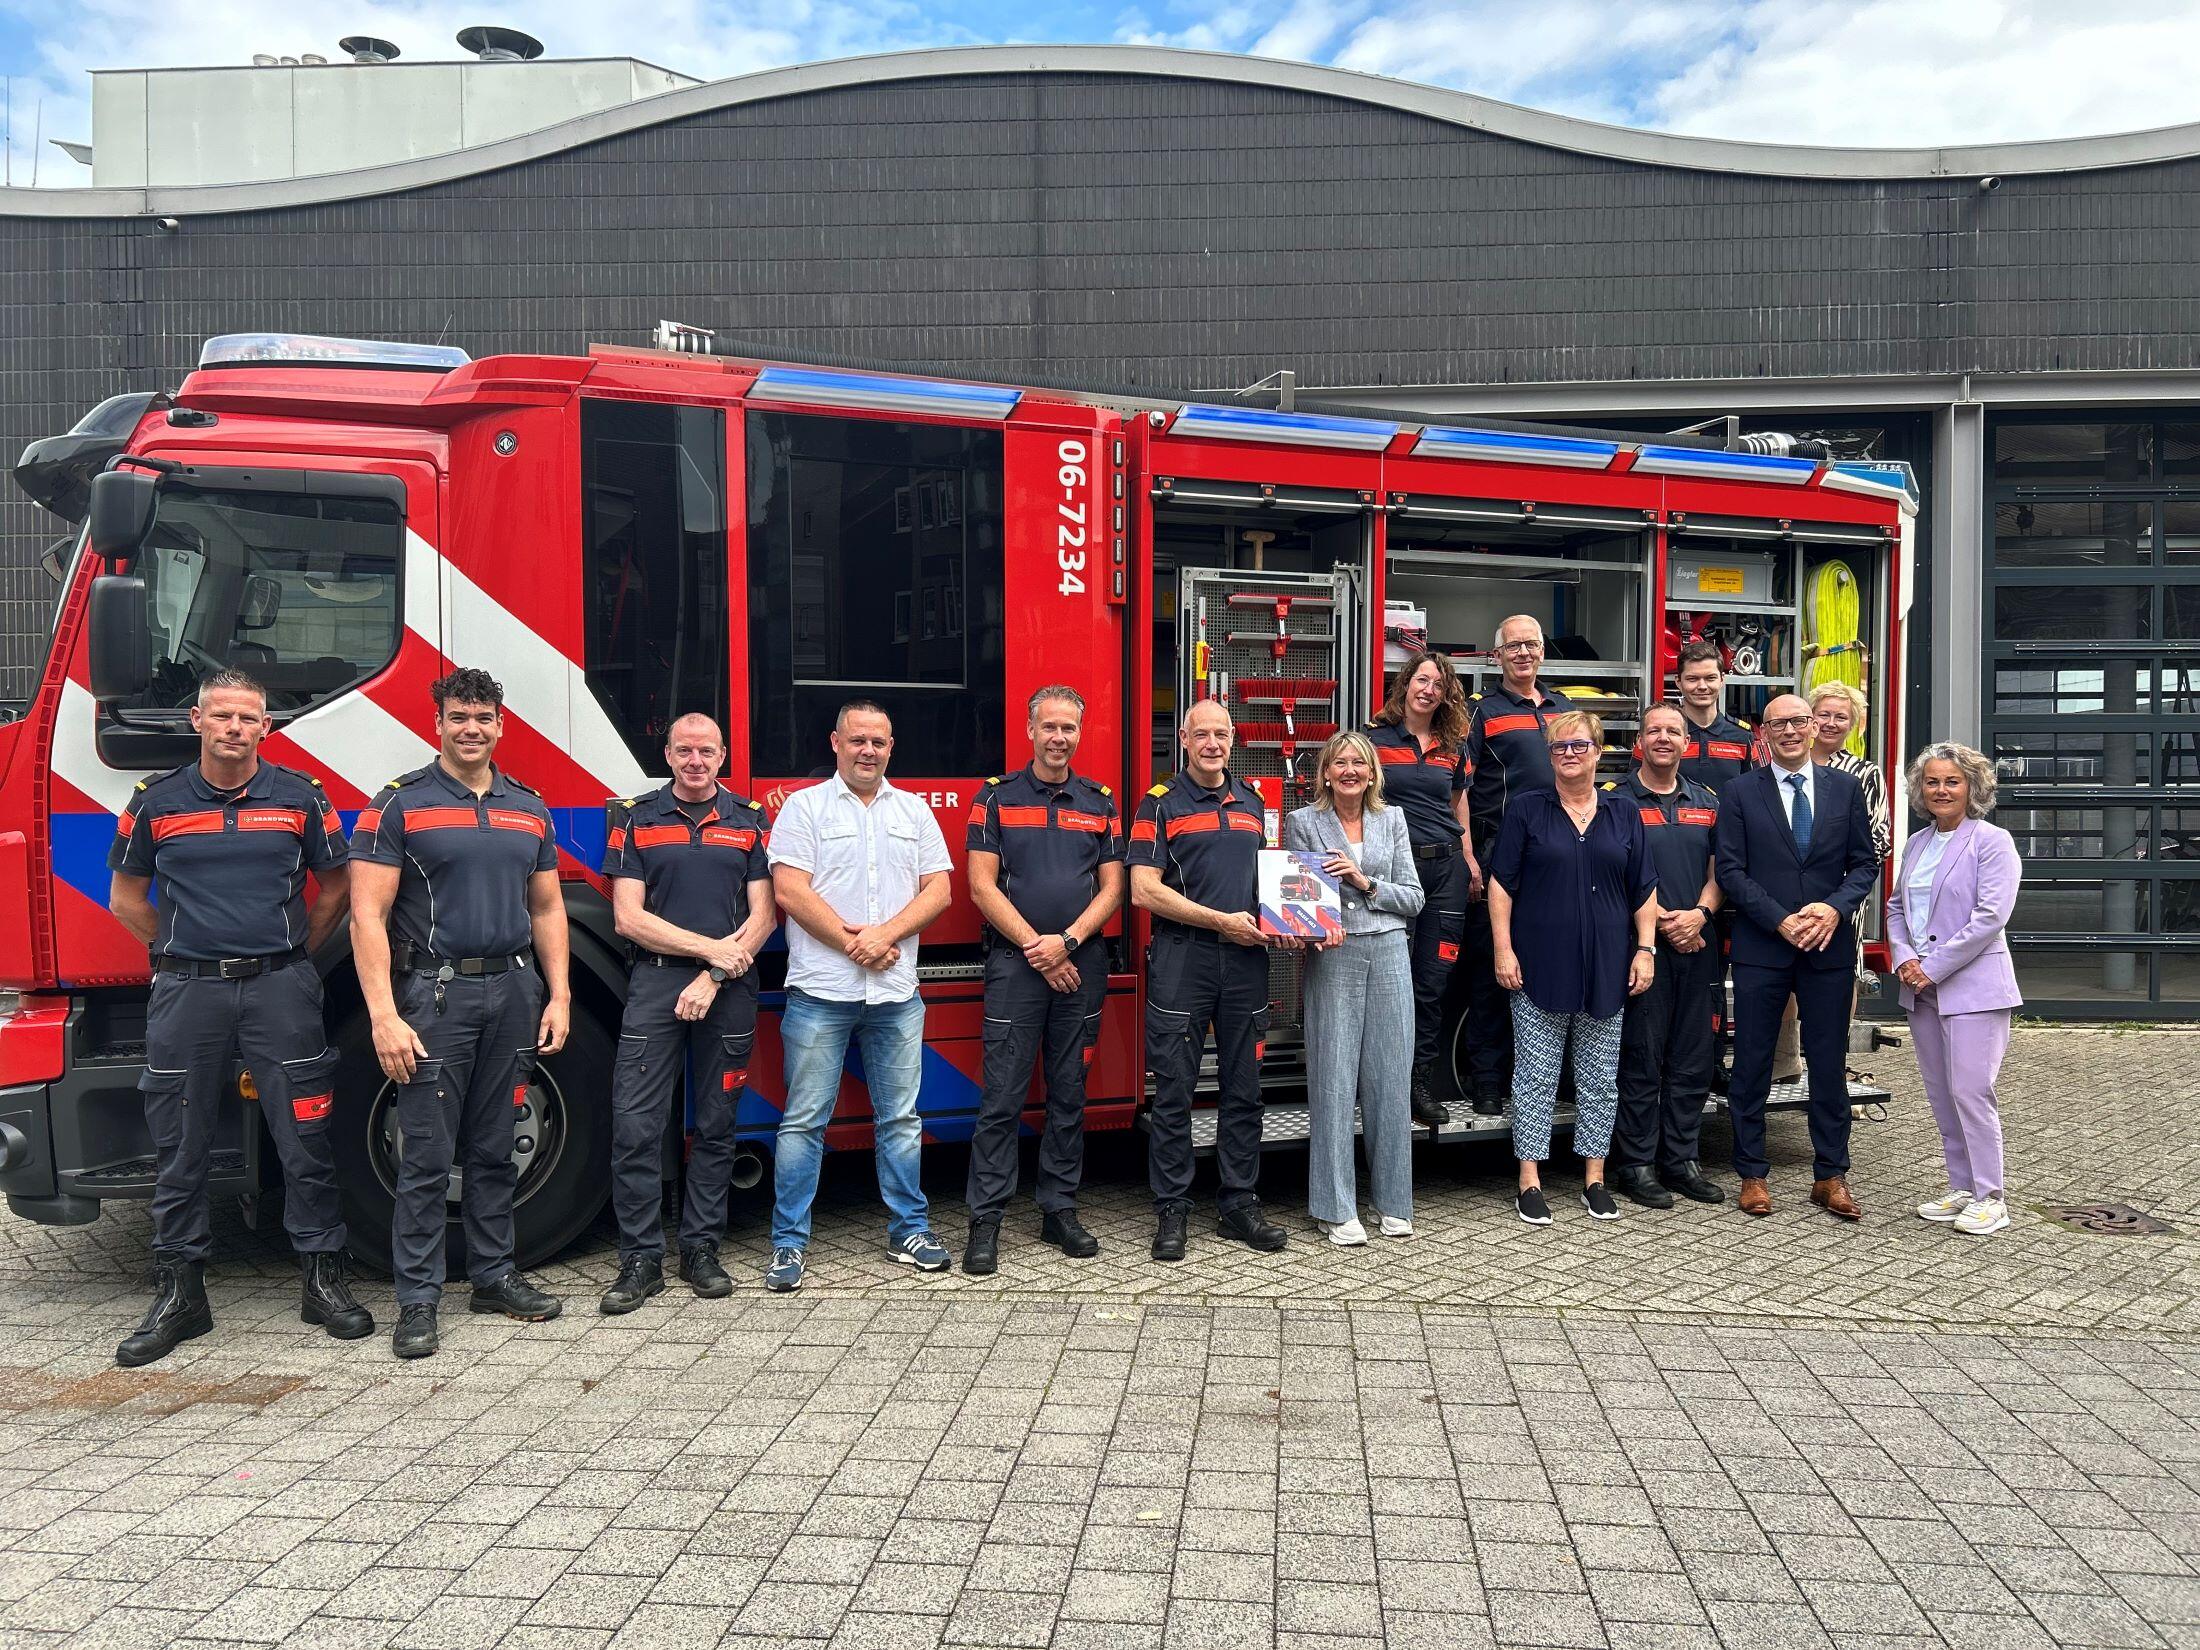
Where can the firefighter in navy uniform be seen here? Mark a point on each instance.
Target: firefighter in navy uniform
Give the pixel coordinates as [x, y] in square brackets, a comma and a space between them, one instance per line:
[1194, 861]
[1666, 1042]
[1720, 748]
[458, 931]
[691, 892]
[1420, 738]
[1507, 756]
[230, 839]
[1046, 873]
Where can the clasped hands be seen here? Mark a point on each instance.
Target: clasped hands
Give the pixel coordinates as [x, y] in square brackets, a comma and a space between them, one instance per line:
[1812, 928]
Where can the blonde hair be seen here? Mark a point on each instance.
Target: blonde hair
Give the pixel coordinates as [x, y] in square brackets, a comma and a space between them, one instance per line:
[1854, 696]
[1334, 746]
[1972, 764]
[1575, 721]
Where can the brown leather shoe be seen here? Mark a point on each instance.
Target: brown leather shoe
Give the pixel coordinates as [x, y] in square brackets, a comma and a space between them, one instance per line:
[1756, 1198]
[1832, 1195]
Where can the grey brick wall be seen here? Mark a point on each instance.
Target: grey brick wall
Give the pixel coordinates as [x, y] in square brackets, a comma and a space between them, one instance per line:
[1135, 231]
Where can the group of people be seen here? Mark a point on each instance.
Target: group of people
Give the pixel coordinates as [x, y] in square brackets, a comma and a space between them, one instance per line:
[1592, 921]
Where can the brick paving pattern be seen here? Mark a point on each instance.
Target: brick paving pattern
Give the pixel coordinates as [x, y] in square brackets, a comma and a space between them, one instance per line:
[1688, 1429]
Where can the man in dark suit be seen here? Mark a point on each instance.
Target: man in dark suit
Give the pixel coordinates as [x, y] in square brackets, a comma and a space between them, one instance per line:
[1794, 857]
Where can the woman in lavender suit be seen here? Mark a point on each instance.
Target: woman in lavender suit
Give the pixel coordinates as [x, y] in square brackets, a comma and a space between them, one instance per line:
[1953, 899]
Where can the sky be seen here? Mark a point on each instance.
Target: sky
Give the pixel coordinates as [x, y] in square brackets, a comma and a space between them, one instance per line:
[1860, 72]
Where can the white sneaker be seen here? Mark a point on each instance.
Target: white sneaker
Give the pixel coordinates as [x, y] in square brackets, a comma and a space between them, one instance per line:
[1344, 1233]
[1394, 1227]
[1983, 1218]
[1944, 1208]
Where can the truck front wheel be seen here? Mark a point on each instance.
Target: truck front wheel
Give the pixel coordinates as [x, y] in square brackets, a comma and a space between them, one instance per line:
[562, 1147]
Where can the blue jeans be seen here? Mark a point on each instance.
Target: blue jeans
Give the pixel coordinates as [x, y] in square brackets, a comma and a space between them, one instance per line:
[814, 1034]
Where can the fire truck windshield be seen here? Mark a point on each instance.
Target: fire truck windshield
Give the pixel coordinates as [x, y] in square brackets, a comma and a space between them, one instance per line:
[298, 590]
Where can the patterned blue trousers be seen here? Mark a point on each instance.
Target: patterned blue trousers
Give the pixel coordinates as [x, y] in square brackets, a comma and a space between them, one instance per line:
[1539, 1053]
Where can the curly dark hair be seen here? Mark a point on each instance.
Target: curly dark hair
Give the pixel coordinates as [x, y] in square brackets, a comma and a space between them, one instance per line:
[466, 686]
[1450, 721]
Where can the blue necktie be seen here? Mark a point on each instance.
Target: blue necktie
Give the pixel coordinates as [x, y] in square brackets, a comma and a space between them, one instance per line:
[1799, 821]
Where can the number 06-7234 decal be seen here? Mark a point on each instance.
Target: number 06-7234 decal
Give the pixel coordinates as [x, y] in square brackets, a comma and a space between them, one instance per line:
[1069, 532]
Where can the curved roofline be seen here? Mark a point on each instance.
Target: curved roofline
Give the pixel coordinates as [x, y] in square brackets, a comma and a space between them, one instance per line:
[1462, 109]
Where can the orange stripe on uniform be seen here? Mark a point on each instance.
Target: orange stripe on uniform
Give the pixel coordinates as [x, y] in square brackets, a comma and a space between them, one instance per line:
[311, 1108]
[1142, 830]
[1023, 819]
[977, 814]
[617, 840]
[1391, 756]
[1188, 824]
[292, 820]
[511, 819]
[370, 821]
[1699, 816]
[660, 836]
[440, 819]
[207, 823]
[1509, 724]
[1245, 822]
[1653, 816]
[1071, 820]
[725, 836]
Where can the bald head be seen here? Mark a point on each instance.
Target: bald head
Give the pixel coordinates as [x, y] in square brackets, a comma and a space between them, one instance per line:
[1207, 735]
[1786, 725]
[694, 750]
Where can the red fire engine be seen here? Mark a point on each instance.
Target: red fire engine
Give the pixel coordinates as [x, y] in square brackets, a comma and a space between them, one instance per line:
[631, 534]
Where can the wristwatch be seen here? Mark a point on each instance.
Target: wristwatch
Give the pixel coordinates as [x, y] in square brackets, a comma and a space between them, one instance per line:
[1646, 950]
[1069, 940]
[718, 976]
[1706, 910]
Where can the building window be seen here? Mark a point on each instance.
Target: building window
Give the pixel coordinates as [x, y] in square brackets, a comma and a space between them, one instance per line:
[875, 572]
[2092, 705]
[653, 553]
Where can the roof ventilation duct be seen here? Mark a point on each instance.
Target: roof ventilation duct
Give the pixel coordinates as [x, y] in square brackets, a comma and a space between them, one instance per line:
[364, 48]
[499, 45]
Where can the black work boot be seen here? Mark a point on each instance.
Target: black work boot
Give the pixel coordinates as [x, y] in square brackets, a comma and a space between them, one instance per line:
[1489, 1102]
[325, 1297]
[415, 1335]
[640, 1276]
[1066, 1232]
[1169, 1231]
[515, 1297]
[1689, 1181]
[1252, 1228]
[699, 1266]
[982, 1250]
[1428, 1111]
[179, 1311]
[1643, 1187]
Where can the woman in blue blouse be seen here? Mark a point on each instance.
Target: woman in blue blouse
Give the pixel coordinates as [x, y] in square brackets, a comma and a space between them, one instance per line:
[1573, 910]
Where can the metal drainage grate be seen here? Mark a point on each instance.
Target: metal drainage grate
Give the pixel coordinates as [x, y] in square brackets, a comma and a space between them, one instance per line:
[2106, 1219]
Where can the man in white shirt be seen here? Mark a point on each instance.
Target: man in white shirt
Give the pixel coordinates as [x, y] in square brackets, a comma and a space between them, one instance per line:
[862, 869]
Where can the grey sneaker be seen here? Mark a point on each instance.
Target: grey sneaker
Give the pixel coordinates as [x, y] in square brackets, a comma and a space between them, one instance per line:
[921, 1250]
[784, 1275]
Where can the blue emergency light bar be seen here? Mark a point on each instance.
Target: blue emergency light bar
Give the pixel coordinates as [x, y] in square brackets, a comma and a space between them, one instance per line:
[1719, 466]
[1511, 447]
[1291, 428]
[879, 393]
[260, 349]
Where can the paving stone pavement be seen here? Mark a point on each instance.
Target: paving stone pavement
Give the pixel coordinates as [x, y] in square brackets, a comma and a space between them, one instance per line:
[1689, 1429]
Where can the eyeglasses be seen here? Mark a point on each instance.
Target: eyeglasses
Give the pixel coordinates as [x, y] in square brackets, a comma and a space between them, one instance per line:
[1785, 722]
[1520, 647]
[1571, 747]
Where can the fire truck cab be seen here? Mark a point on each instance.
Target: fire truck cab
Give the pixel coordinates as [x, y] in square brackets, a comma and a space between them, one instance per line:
[629, 535]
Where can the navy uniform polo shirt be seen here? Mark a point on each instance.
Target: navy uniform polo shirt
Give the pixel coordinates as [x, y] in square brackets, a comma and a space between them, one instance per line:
[694, 860]
[463, 860]
[1720, 754]
[1206, 844]
[1424, 783]
[1679, 825]
[1507, 755]
[1051, 841]
[231, 864]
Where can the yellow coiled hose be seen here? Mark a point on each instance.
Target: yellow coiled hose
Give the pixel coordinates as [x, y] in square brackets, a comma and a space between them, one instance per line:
[1833, 614]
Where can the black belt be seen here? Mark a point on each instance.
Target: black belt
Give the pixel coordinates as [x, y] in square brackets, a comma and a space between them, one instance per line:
[657, 959]
[406, 960]
[228, 968]
[1435, 850]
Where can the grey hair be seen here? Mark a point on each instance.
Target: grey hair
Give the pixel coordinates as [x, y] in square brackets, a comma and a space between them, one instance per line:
[1973, 765]
[229, 681]
[1057, 690]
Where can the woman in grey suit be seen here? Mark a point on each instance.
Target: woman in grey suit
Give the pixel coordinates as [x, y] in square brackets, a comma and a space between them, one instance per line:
[1359, 995]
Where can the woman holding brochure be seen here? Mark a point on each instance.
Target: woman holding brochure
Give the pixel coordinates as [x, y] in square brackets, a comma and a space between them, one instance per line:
[1359, 995]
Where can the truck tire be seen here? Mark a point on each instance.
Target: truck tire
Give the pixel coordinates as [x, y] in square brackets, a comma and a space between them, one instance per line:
[564, 1150]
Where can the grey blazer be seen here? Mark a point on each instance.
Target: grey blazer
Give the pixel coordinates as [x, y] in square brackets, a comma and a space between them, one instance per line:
[1386, 854]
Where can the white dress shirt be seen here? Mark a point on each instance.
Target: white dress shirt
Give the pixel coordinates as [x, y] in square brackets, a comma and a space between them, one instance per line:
[865, 862]
[1780, 777]
[1917, 887]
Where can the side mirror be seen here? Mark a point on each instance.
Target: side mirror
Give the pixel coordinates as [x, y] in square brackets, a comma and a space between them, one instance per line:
[121, 636]
[55, 559]
[262, 604]
[121, 516]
